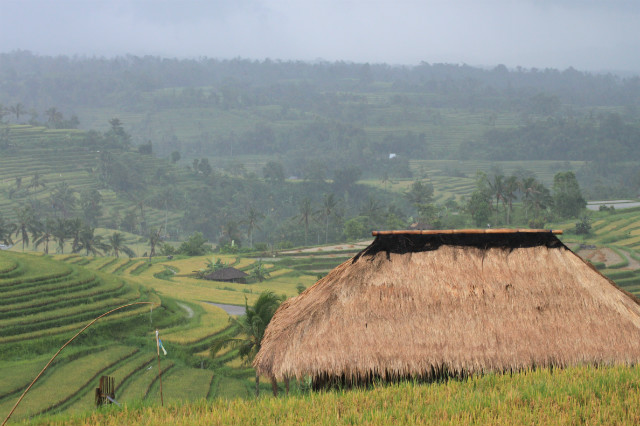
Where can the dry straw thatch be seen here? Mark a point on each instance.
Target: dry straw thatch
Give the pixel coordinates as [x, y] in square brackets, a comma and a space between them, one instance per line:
[427, 304]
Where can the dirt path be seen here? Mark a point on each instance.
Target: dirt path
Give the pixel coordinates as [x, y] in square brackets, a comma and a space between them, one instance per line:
[604, 255]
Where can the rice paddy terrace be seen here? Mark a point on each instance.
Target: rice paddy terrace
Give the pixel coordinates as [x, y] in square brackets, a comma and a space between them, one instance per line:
[42, 304]
[613, 246]
[44, 300]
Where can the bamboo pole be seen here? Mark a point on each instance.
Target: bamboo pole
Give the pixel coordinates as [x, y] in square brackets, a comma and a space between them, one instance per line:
[64, 346]
[159, 369]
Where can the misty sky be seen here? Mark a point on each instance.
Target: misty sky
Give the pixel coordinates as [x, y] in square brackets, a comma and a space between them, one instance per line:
[590, 35]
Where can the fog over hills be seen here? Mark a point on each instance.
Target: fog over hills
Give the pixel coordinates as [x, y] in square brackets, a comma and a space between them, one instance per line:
[588, 35]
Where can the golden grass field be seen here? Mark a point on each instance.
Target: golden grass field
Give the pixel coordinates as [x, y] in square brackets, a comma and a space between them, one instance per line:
[572, 396]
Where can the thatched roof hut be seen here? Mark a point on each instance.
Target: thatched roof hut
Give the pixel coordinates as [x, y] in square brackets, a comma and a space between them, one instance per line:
[430, 303]
[231, 275]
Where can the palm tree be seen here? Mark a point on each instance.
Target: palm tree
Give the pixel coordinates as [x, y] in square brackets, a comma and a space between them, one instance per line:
[46, 235]
[27, 223]
[372, 209]
[329, 205]
[527, 187]
[74, 229]
[54, 117]
[210, 267]
[154, 240]
[6, 230]
[18, 110]
[36, 181]
[252, 223]
[541, 199]
[60, 233]
[116, 242]
[3, 112]
[497, 188]
[62, 199]
[259, 272]
[509, 194]
[90, 242]
[249, 329]
[306, 214]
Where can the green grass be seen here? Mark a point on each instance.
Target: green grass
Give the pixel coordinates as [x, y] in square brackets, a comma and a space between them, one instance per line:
[66, 380]
[174, 389]
[142, 383]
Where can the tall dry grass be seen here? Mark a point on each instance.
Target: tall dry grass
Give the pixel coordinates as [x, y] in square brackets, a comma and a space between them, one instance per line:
[579, 395]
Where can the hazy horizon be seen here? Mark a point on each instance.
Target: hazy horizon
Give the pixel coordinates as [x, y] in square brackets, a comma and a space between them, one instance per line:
[586, 35]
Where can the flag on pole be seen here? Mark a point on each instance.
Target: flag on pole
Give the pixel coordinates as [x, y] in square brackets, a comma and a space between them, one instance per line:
[162, 347]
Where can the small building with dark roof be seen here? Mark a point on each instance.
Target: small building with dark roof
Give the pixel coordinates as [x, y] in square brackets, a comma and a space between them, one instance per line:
[229, 275]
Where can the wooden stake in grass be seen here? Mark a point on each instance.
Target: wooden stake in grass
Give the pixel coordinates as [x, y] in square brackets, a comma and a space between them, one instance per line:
[159, 369]
[64, 346]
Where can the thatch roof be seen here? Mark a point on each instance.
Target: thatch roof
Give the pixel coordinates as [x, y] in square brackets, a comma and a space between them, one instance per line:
[418, 303]
[226, 274]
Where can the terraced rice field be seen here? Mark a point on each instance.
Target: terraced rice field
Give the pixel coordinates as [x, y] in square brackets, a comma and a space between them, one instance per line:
[44, 302]
[615, 237]
[58, 156]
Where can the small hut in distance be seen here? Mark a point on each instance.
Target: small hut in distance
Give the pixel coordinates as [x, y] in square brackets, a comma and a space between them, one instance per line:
[230, 275]
[430, 304]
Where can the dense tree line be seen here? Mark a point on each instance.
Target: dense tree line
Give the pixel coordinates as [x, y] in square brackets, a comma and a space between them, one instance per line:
[73, 82]
[605, 138]
[507, 200]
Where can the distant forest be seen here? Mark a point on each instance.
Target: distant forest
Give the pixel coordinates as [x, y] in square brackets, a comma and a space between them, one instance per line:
[329, 124]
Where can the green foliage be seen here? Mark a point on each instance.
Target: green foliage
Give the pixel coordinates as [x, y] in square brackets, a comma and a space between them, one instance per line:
[248, 330]
[479, 204]
[584, 226]
[6, 230]
[196, 245]
[167, 249]
[259, 272]
[356, 228]
[567, 197]
[273, 172]
[420, 193]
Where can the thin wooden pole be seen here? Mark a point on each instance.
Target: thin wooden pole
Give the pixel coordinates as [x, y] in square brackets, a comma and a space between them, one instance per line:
[159, 369]
[64, 346]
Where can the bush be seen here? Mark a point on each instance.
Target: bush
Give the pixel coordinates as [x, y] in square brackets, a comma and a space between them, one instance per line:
[584, 226]
[261, 247]
[167, 250]
[196, 245]
[536, 223]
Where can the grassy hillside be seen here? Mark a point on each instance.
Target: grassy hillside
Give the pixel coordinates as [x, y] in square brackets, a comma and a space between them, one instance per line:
[45, 299]
[578, 395]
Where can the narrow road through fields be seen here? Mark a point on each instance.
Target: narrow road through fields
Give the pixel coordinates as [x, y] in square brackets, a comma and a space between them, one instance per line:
[230, 309]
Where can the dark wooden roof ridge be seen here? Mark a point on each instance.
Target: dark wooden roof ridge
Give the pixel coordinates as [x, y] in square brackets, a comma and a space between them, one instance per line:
[466, 231]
